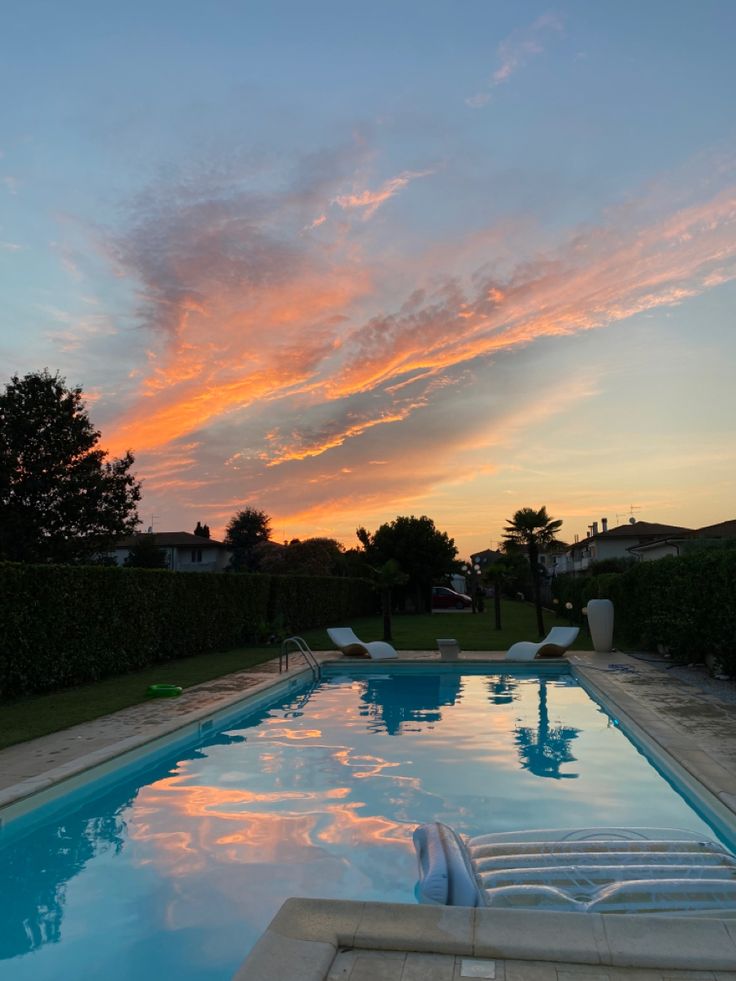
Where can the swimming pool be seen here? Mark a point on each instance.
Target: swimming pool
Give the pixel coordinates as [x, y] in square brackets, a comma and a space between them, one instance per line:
[176, 867]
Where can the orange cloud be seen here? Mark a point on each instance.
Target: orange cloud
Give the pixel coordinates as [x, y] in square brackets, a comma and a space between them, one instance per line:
[280, 363]
[370, 201]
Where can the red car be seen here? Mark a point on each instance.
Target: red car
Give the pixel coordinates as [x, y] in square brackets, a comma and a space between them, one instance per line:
[444, 598]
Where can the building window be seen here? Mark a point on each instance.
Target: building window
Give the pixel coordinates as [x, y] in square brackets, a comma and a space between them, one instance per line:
[196, 555]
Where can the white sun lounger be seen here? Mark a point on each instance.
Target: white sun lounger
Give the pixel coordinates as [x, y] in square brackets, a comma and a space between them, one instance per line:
[345, 640]
[554, 644]
[601, 870]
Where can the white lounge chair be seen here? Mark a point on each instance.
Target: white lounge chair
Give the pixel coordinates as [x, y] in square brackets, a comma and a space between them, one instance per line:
[345, 640]
[554, 644]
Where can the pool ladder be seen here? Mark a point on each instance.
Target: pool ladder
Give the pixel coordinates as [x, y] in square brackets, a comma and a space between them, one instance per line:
[302, 647]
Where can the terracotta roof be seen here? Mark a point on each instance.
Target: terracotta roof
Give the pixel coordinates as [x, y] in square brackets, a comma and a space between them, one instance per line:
[171, 539]
[724, 529]
[642, 530]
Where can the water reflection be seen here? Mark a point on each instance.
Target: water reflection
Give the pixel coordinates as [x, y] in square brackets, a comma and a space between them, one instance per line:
[175, 870]
[37, 868]
[543, 750]
[35, 878]
[501, 690]
[393, 702]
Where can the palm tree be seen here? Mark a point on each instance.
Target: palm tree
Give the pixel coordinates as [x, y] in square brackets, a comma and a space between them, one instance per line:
[533, 532]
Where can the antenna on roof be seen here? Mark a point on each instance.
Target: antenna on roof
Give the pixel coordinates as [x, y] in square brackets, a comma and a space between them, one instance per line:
[630, 512]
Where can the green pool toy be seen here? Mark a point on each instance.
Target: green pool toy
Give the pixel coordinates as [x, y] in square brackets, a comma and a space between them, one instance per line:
[164, 691]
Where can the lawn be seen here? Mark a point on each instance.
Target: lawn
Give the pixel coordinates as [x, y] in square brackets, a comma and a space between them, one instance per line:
[28, 718]
[473, 631]
[39, 715]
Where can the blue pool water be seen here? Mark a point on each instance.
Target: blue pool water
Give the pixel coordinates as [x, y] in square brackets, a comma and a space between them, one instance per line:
[175, 871]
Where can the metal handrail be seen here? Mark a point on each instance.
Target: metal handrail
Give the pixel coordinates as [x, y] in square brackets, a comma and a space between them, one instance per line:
[303, 648]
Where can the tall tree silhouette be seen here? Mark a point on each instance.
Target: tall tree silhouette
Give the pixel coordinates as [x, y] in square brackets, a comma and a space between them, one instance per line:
[532, 532]
[247, 529]
[61, 500]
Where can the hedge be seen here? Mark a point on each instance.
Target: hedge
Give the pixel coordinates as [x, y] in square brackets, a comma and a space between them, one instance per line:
[67, 625]
[686, 605]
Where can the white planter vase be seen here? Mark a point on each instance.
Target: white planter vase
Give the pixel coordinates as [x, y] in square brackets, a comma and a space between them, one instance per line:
[600, 622]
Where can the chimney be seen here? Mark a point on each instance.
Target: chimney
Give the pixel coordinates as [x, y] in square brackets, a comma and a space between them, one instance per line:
[595, 527]
[604, 523]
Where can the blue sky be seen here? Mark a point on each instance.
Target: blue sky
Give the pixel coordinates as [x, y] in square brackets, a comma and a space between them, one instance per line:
[343, 262]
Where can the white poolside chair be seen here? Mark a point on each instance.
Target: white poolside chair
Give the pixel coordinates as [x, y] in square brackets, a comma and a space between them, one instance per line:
[345, 640]
[555, 644]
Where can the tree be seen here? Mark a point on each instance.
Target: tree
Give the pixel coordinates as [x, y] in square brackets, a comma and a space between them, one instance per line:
[145, 554]
[385, 578]
[246, 530]
[532, 532]
[61, 500]
[203, 531]
[423, 552]
[314, 557]
[496, 574]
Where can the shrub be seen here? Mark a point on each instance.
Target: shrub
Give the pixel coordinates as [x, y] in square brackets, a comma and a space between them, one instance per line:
[685, 604]
[67, 625]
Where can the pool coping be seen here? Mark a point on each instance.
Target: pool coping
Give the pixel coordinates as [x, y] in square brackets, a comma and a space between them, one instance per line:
[304, 938]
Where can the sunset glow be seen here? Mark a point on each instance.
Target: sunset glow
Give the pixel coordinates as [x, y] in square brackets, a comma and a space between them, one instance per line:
[457, 262]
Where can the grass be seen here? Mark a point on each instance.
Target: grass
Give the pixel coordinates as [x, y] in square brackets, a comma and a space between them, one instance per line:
[40, 715]
[27, 718]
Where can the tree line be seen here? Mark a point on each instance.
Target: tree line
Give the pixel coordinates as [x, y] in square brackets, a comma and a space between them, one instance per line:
[63, 501]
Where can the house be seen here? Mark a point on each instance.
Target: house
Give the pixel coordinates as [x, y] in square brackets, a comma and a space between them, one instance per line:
[184, 552]
[708, 537]
[615, 543]
[554, 558]
[548, 559]
[486, 557]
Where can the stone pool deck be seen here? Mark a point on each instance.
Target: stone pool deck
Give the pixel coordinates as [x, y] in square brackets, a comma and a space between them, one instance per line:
[683, 718]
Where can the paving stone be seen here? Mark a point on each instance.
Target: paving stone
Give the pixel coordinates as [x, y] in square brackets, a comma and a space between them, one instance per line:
[428, 967]
[474, 967]
[378, 965]
[530, 971]
[342, 966]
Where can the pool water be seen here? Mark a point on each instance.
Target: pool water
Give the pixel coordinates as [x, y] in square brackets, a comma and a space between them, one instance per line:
[175, 872]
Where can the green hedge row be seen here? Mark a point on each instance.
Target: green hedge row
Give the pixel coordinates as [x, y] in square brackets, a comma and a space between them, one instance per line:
[687, 604]
[65, 625]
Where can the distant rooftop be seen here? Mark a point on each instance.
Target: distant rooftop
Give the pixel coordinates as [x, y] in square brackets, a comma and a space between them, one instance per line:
[171, 539]
[643, 529]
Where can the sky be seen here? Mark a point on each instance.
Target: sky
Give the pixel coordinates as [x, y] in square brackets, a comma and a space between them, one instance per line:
[345, 261]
